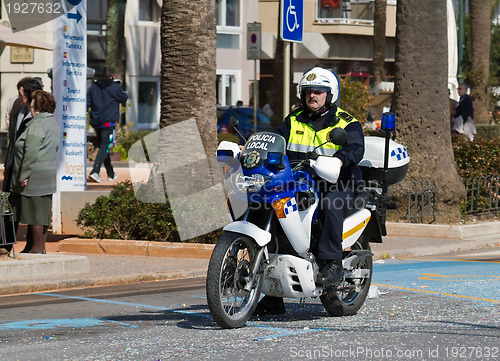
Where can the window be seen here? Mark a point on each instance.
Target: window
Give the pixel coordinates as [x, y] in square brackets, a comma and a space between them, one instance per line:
[228, 13]
[228, 41]
[228, 87]
[148, 104]
[341, 10]
[330, 9]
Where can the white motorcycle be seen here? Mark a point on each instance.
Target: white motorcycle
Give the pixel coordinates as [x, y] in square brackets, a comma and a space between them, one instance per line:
[270, 247]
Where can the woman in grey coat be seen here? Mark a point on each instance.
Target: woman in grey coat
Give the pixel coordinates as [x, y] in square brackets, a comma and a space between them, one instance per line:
[34, 172]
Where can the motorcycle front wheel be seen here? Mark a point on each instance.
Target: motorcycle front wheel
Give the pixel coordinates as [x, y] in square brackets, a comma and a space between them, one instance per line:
[230, 301]
[348, 296]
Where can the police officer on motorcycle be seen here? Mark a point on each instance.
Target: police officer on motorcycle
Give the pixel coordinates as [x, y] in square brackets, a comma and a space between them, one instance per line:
[306, 130]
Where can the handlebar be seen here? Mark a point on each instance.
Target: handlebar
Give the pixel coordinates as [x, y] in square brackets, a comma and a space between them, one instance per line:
[302, 163]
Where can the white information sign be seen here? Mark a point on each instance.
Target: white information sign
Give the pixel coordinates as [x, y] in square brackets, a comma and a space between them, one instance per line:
[69, 86]
[70, 93]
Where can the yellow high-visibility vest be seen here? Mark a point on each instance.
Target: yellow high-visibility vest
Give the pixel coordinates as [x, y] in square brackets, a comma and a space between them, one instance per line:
[303, 138]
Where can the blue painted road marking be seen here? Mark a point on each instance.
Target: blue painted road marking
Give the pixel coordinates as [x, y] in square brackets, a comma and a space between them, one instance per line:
[479, 281]
[47, 324]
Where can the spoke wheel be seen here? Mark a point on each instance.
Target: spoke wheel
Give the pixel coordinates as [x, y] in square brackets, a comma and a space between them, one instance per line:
[347, 297]
[230, 301]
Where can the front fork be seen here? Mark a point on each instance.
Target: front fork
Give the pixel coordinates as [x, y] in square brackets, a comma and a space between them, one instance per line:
[255, 267]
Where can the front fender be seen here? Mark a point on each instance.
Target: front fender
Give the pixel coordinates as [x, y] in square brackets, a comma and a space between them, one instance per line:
[259, 235]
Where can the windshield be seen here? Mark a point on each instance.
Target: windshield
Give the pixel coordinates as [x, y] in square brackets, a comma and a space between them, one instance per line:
[258, 146]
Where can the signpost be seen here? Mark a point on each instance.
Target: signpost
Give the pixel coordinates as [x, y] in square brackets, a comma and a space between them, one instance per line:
[254, 36]
[291, 30]
[70, 93]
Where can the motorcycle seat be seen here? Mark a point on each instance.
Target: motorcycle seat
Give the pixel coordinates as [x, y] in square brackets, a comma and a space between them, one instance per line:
[359, 202]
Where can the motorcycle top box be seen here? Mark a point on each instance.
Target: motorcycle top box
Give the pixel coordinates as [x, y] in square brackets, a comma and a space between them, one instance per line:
[372, 164]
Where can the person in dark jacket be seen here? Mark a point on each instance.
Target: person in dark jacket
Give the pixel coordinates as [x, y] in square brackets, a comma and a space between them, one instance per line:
[19, 116]
[103, 99]
[464, 114]
[306, 130]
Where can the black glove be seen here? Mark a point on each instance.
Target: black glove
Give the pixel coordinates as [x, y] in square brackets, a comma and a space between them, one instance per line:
[312, 155]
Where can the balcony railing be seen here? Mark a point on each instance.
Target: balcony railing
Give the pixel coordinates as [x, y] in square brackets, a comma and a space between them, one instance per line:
[345, 11]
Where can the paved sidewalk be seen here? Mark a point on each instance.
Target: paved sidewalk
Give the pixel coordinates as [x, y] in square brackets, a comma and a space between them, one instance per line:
[109, 262]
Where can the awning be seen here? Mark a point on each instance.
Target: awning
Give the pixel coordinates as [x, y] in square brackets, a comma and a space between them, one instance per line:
[7, 37]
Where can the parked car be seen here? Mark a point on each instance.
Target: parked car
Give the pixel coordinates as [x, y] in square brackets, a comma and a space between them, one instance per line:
[230, 119]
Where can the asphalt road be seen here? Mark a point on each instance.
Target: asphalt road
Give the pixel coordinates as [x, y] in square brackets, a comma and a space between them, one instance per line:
[439, 309]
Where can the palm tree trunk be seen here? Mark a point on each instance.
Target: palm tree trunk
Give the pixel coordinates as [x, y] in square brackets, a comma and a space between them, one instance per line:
[480, 25]
[188, 77]
[379, 42]
[115, 39]
[421, 102]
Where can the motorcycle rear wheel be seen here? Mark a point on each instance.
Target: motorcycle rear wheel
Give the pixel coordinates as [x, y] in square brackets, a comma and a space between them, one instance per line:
[229, 271]
[347, 301]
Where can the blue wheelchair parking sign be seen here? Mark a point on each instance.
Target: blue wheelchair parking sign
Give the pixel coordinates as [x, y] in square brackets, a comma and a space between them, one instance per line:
[292, 20]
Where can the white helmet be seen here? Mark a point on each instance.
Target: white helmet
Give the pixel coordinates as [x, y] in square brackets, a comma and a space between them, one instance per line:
[323, 80]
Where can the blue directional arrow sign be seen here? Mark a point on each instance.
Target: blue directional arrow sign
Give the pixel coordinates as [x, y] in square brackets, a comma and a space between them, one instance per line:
[292, 20]
[77, 16]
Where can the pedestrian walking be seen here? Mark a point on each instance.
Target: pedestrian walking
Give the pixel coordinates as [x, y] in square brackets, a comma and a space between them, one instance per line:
[103, 100]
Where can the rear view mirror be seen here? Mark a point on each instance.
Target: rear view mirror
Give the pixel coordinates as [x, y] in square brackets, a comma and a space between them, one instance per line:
[233, 124]
[338, 136]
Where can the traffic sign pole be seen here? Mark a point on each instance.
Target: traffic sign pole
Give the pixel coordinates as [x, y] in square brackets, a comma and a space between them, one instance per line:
[286, 78]
[254, 52]
[292, 29]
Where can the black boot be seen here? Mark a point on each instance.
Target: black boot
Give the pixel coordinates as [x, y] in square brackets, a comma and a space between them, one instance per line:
[270, 305]
[331, 273]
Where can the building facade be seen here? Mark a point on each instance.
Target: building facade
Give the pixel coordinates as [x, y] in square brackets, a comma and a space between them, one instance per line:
[142, 31]
[337, 34]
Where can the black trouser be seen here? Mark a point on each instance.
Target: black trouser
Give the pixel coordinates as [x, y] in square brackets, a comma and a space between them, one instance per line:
[104, 142]
[333, 207]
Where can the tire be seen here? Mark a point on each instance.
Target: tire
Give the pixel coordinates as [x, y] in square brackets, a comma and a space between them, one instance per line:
[344, 300]
[231, 306]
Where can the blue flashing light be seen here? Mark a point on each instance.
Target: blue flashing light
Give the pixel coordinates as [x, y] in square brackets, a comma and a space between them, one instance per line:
[388, 122]
[274, 158]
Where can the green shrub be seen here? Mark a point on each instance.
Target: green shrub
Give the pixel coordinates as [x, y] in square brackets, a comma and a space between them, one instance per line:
[126, 138]
[227, 137]
[355, 98]
[120, 215]
[478, 158]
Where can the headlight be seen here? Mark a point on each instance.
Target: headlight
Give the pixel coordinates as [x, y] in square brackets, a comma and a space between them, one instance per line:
[250, 183]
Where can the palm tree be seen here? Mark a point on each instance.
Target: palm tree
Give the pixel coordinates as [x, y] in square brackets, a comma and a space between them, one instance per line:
[115, 39]
[379, 41]
[421, 102]
[188, 76]
[480, 28]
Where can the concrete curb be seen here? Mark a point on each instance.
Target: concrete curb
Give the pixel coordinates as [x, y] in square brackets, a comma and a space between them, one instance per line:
[37, 286]
[463, 231]
[431, 246]
[27, 266]
[136, 248]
